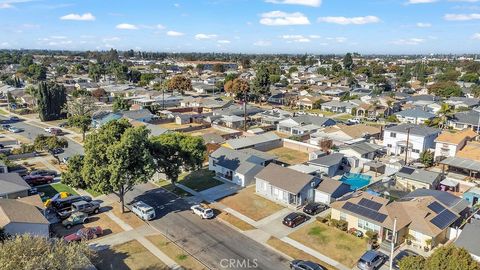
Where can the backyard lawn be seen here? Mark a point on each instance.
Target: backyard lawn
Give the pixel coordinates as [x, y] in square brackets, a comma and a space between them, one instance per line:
[251, 205]
[338, 245]
[52, 189]
[127, 256]
[289, 156]
[199, 180]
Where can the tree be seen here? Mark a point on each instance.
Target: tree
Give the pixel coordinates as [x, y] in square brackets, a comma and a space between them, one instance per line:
[392, 118]
[443, 113]
[261, 83]
[95, 72]
[80, 111]
[42, 142]
[26, 60]
[411, 263]
[37, 72]
[469, 77]
[238, 88]
[134, 75]
[218, 67]
[348, 61]
[99, 93]
[51, 99]
[120, 104]
[174, 152]
[180, 83]
[475, 91]
[117, 158]
[73, 175]
[292, 69]
[61, 70]
[30, 252]
[445, 89]
[426, 158]
[447, 257]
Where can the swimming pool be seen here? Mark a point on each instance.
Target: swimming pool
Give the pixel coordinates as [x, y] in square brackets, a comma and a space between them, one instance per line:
[356, 180]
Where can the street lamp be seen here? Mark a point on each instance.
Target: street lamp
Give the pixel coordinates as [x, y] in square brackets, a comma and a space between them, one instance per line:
[478, 124]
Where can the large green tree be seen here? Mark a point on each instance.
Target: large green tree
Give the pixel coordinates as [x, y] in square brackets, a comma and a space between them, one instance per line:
[174, 152]
[445, 89]
[448, 257]
[51, 99]
[117, 158]
[348, 61]
[73, 175]
[80, 111]
[120, 104]
[179, 83]
[261, 83]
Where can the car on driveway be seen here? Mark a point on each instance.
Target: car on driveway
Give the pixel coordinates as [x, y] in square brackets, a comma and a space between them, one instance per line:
[35, 180]
[402, 254]
[56, 151]
[294, 219]
[65, 204]
[371, 260]
[74, 219]
[92, 207]
[13, 129]
[314, 208]
[6, 126]
[305, 265]
[87, 233]
[143, 210]
[203, 212]
[13, 119]
[44, 173]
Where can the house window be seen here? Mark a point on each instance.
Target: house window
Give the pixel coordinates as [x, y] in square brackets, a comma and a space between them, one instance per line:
[393, 135]
[389, 145]
[415, 151]
[368, 226]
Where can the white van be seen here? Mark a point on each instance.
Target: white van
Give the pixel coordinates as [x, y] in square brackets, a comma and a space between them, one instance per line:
[143, 210]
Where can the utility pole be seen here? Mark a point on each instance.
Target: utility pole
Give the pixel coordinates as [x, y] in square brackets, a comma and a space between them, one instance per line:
[394, 239]
[245, 110]
[406, 147]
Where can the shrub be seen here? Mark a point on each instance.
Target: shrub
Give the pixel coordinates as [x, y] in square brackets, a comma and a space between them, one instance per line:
[340, 224]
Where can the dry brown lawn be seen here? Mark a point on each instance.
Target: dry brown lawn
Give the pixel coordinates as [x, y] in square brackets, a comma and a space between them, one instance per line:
[128, 217]
[107, 224]
[289, 156]
[175, 252]
[295, 252]
[251, 205]
[233, 220]
[336, 244]
[127, 256]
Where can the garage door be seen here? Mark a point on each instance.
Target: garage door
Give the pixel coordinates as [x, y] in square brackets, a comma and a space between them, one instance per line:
[322, 197]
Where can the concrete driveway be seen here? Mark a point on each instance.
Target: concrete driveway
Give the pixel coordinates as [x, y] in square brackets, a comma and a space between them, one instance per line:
[218, 192]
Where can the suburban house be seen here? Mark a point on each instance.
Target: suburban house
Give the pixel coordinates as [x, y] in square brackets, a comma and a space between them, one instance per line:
[358, 154]
[414, 116]
[462, 102]
[13, 186]
[338, 106]
[343, 134]
[469, 239]
[472, 196]
[18, 217]
[463, 120]
[142, 115]
[465, 162]
[447, 144]
[304, 124]
[286, 186]
[262, 142]
[274, 116]
[328, 164]
[422, 216]
[330, 190]
[420, 138]
[238, 166]
[412, 179]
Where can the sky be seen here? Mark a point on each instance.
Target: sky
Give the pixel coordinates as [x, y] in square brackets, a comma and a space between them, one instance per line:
[244, 26]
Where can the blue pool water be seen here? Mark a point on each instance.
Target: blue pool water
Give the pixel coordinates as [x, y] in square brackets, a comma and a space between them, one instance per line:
[356, 180]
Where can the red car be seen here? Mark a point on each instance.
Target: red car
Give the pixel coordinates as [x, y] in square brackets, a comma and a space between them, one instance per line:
[35, 180]
[88, 233]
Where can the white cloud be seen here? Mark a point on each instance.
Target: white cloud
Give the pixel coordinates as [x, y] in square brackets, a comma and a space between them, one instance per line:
[262, 43]
[462, 17]
[224, 41]
[5, 6]
[314, 36]
[78, 17]
[424, 25]
[4, 44]
[468, 1]
[9, 3]
[111, 39]
[420, 1]
[174, 34]
[126, 26]
[296, 38]
[205, 36]
[310, 3]
[160, 26]
[408, 41]
[275, 18]
[337, 39]
[351, 20]
[476, 36]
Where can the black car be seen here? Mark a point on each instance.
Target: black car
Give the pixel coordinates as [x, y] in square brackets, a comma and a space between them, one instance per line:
[305, 265]
[51, 173]
[294, 219]
[314, 208]
[56, 151]
[65, 204]
[402, 254]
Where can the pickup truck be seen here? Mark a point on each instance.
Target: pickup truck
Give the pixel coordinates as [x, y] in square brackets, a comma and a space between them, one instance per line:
[202, 212]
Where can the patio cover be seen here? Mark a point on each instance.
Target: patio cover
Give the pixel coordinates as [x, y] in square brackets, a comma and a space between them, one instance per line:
[449, 182]
[462, 163]
[375, 164]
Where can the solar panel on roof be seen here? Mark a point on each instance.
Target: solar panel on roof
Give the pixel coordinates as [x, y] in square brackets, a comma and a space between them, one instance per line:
[407, 170]
[370, 204]
[436, 207]
[364, 212]
[444, 219]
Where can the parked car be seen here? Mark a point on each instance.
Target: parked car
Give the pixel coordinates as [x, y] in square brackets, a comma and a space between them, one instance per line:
[6, 126]
[1, 146]
[402, 254]
[305, 265]
[65, 204]
[15, 129]
[56, 151]
[92, 207]
[87, 233]
[44, 173]
[203, 212]
[314, 208]
[355, 120]
[35, 180]
[53, 130]
[14, 119]
[63, 124]
[371, 260]
[294, 219]
[74, 219]
[143, 210]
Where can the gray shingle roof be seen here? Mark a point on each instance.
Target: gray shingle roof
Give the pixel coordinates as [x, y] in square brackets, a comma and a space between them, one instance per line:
[470, 237]
[252, 140]
[416, 113]
[12, 183]
[312, 120]
[236, 159]
[284, 178]
[414, 129]
[471, 117]
[362, 148]
[419, 175]
[328, 160]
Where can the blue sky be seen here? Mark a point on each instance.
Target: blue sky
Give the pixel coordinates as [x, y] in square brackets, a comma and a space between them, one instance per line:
[246, 26]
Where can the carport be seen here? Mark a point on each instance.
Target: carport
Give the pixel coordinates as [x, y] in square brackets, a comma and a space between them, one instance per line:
[461, 165]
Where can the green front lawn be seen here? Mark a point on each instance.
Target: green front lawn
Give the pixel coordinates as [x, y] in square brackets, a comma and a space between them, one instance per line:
[176, 190]
[50, 190]
[199, 180]
[332, 242]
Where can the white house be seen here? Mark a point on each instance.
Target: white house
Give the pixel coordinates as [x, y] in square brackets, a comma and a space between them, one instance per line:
[414, 116]
[448, 143]
[420, 138]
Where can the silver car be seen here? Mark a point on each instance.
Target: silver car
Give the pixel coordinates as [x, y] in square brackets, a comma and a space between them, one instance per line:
[371, 260]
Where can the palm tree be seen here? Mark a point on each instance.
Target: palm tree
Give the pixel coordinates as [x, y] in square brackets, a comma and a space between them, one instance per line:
[443, 113]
